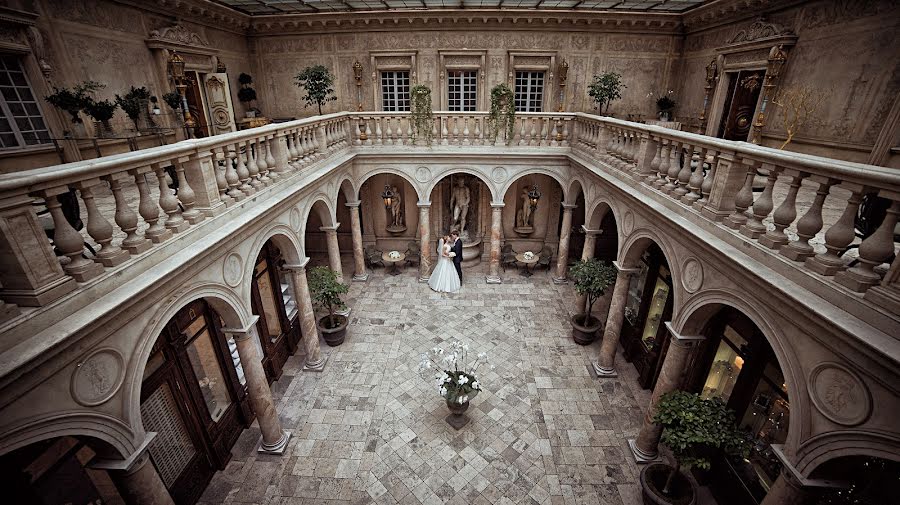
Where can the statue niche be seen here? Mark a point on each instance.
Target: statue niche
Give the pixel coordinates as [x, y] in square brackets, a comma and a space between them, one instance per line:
[462, 204]
[393, 200]
[525, 213]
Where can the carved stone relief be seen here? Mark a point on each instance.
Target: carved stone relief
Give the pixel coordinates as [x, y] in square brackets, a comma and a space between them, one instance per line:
[423, 174]
[178, 34]
[232, 269]
[839, 394]
[97, 378]
[628, 222]
[692, 277]
[294, 219]
[759, 29]
[499, 175]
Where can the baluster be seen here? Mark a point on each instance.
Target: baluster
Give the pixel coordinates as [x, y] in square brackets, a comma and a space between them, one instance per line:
[221, 183]
[186, 196]
[684, 175]
[761, 207]
[378, 140]
[674, 169]
[479, 134]
[231, 175]
[454, 131]
[523, 140]
[696, 180]
[168, 203]
[533, 139]
[148, 209]
[271, 174]
[838, 237]
[126, 219]
[243, 169]
[785, 214]
[708, 179]
[388, 134]
[808, 225]
[742, 200]
[262, 160]
[656, 163]
[293, 153]
[873, 251]
[99, 228]
[308, 145]
[358, 134]
[565, 133]
[664, 164]
[69, 242]
[409, 131]
[466, 140]
[368, 139]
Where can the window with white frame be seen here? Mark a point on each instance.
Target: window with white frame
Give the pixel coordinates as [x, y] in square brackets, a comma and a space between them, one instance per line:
[529, 91]
[461, 90]
[395, 91]
[21, 122]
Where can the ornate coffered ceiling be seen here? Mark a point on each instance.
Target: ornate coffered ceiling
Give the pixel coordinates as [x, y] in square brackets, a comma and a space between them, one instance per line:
[272, 7]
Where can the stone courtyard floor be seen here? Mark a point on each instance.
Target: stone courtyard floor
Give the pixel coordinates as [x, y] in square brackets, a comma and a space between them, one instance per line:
[371, 429]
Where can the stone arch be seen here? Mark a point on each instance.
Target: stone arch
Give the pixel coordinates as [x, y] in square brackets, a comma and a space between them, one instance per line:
[636, 243]
[596, 211]
[437, 178]
[223, 300]
[833, 445]
[576, 187]
[323, 209]
[105, 434]
[351, 192]
[536, 170]
[283, 237]
[697, 312]
[393, 171]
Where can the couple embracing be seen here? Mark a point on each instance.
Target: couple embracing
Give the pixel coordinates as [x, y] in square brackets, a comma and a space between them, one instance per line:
[447, 274]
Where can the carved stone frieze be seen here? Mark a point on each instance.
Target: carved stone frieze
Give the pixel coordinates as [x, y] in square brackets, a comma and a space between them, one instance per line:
[821, 14]
[760, 29]
[462, 60]
[637, 44]
[532, 61]
[178, 34]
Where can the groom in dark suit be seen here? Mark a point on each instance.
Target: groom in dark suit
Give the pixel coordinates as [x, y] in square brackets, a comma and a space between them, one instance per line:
[457, 249]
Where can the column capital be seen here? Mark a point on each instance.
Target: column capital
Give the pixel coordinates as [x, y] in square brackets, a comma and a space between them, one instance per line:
[497, 206]
[327, 229]
[686, 340]
[625, 270]
[568, 206]
[588, 231]
[792, 474]
[300, 267]
[127, 463]
[422, 204]
[242, 333]
[353, 204]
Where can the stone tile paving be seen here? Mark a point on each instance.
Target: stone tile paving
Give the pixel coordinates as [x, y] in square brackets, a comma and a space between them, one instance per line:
[371, 429]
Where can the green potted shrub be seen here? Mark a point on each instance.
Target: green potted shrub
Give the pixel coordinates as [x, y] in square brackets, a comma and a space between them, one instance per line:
[102, 111]
[592, 278]
[247, 95]
[326, 292]
[502, 116]
[73, 100]
[693, 427]
[605, 88]
[318, 82]
[134, 103]
[422, 118]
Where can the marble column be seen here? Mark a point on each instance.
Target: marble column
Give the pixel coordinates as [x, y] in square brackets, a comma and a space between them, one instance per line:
[496, 224]
[334, 250]
[587, 252]
[274, 438]
[562, 258]
[788, 490]
[604, 366]
[359, 261]
[424, 241]
[136, 478]
[644, 448]
[315, 360]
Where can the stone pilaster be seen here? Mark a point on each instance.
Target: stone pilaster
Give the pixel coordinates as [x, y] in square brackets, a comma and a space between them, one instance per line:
[604, 366]
[274, 438]
[359, 261]
[562, 257]
[496, 224]
[136, 478]
[644, 448]
[587, 252]
[200, 173]
[315, 360]
[334, 250]
[424, 240]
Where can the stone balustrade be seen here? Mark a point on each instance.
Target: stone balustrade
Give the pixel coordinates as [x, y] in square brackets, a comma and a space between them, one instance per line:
[129, 207]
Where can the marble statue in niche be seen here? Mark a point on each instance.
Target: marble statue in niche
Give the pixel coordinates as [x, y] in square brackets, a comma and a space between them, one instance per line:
[460, 198]
[395, 217]
[525, 214]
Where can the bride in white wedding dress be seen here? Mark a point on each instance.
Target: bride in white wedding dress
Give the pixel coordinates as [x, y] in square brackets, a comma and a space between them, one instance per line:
[444, 278]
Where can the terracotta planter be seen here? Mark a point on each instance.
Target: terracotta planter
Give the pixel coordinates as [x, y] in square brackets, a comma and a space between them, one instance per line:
[585, 332]
[333, 336]
[653, 479]
[457, 409]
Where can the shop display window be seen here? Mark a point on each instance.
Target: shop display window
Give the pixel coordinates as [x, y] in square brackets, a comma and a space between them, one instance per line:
[723, 373]
[267, 299]
[635, 291]
[655, 312]
[212, 384]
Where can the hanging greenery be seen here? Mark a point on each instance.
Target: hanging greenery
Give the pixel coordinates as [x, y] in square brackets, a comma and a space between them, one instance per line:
[423, 121]
[503, 112]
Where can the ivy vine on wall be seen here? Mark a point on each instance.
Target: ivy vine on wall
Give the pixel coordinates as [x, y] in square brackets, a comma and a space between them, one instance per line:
[422, 117]
[503, 112]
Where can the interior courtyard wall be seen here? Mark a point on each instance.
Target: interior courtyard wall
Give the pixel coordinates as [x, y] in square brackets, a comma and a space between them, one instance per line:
[380, 216]
[645, 60]
[545, 218]
[846, 49]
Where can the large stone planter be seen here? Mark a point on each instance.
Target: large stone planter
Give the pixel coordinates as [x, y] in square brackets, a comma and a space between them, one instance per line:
[333, 336]
[457, 409]
[653, 479]
[585, 332]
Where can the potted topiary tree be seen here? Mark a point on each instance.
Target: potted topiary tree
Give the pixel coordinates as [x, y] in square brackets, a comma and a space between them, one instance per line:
[102, 111]
[73, 100]
[502, 116]
[134, 103]
[605, 88]
[592, 278]
[692, 428]
[318, 82]
[247, 94]
[326, 292]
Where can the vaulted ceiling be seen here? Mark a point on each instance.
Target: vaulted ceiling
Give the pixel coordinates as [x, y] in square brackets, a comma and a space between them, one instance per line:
[271, 7]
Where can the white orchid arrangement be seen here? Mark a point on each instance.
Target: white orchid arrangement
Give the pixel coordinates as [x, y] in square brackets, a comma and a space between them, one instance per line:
[455, 382]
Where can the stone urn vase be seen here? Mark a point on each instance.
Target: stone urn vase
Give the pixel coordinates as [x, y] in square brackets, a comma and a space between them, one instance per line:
[334, 336]
[653, 480]
[585, 332]
[457, 409]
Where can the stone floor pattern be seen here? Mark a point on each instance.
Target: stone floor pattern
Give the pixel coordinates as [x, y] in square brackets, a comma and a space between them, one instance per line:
[371, 429]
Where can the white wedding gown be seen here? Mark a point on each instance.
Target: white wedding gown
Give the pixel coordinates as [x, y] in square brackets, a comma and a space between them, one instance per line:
[444, 278]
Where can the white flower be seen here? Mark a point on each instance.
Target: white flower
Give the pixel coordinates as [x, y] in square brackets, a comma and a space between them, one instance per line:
[476, 385]
[482, 355]
[443, 391]
[462, 399]
[465, 347]
[463, 379]
[447, 378]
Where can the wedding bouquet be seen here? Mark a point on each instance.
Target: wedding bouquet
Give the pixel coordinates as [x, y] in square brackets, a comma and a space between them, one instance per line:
[528, 255]
[394, 255]
[456, 382]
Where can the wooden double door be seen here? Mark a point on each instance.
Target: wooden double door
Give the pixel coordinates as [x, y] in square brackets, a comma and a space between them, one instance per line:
[744, 88]
[193, 396]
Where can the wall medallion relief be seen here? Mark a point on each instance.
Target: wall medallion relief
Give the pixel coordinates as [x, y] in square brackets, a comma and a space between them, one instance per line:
[839, 394]
[628, 222]
[499, 175]
[231, 270]
[294, 219]
[97, 378]
[692, 278]
[423, 174]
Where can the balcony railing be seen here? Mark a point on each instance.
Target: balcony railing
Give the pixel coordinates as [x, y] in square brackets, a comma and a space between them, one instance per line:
[129, 208]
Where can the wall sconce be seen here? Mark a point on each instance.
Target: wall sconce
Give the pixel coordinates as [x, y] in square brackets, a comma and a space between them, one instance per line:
[777, 59]
[388, 196]
[357, 74]
[534, 195]
[562, 71]
[711, 71]
[176, 67]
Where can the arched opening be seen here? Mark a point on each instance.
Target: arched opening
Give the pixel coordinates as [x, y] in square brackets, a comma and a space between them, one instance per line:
[648, 305]
[531, 224]
[57, 470]
[579, 219]
[606, 248]
[868, 479]
[462, 202]
[315, 238]
[272, 299]
[736, 364]
[389, 224]
[193, 396]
